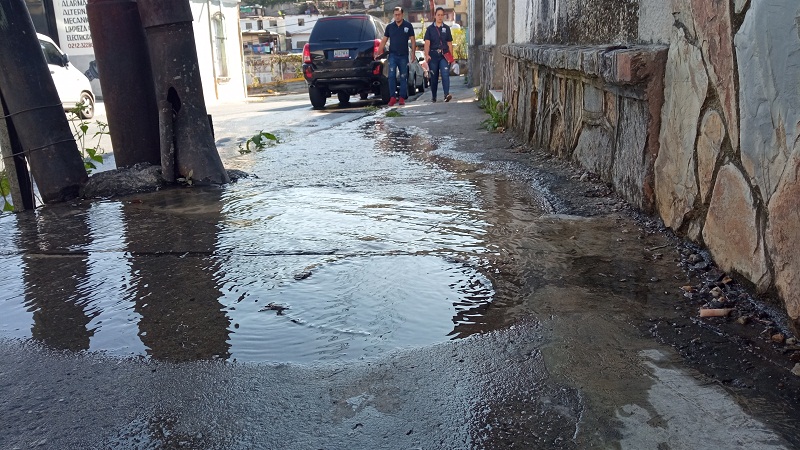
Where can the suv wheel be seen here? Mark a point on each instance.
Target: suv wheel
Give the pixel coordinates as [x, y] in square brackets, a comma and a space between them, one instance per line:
[317, 97]
[344, 98]
[364, 95]
[386, 94]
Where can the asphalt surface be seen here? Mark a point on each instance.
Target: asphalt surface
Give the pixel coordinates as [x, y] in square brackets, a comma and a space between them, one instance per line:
[563, 356]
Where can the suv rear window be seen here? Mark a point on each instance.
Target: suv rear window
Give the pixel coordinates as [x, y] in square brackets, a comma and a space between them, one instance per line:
[342, 29]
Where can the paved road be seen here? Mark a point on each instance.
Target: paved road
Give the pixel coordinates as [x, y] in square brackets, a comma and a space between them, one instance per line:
[554, 356]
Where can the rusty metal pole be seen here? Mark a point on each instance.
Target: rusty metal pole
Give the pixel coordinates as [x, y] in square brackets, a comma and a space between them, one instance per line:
[120, 49]
[176, 73]
[34, 108]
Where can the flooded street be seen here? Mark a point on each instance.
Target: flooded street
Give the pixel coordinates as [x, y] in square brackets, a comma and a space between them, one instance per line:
[372, 284]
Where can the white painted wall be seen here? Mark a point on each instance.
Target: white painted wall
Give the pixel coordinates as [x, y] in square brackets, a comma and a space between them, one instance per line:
[490, 22]
[532, 19]
[216, 87]
[655, 21]
[523, 21]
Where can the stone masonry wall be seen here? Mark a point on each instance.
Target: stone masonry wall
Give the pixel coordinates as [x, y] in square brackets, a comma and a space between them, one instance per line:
[705, 132]
[727, 170]
[599, 106]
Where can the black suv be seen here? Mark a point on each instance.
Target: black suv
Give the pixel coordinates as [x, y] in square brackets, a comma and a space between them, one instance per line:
[339, 59]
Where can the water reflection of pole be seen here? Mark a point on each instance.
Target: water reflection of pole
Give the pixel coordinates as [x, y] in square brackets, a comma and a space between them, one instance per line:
[171, 239]
[55, 268]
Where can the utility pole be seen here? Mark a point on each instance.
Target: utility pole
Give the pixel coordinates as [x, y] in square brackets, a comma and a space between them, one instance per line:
[50, 149]
[187, 144]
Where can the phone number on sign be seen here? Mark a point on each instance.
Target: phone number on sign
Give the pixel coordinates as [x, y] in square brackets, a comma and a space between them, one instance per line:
[79, 45]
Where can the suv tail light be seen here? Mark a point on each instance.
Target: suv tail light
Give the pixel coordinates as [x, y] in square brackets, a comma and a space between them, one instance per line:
[306, 54]
[375, 47]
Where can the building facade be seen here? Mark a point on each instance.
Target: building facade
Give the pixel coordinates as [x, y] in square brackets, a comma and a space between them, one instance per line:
[216, 30]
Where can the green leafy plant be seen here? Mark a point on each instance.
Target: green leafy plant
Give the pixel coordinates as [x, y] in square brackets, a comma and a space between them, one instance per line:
[89, 146]
[5, 191]
[187, 179]
[371, 109]
[258, 142]
[394, 113]
[498, 113]
[460, 43]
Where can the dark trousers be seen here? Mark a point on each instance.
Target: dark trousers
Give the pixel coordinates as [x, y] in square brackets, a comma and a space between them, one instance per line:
[437, 65]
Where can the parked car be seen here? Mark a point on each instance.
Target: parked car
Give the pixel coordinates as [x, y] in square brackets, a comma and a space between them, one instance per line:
[339, 59]
[72, 85]
[425, 70]
[416, 74]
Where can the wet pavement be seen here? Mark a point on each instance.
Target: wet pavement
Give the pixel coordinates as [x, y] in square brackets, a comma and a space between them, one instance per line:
[379, 282]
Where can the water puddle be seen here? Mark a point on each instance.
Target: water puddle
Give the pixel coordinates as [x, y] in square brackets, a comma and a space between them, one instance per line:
[350, 242]
[333, 252]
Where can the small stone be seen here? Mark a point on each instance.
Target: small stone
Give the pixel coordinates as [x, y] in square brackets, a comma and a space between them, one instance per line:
[716, 292]
[687, 288]
[791, 341]
[302, 275]
[585, 176]
[694, 258]
[743, 320]
[796, 369]
[778, 338]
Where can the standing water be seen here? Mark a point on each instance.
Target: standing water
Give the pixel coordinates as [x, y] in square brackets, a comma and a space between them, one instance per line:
[332, 251]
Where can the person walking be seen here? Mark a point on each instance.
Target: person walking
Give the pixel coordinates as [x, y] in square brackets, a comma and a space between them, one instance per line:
[438, 43]
[398, 33]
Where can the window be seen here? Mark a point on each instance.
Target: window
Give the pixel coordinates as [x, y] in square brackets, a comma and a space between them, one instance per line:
[248, 26]
[301, 22]
[51, 54]
[260, 24]
[273, 22]
[220, 58]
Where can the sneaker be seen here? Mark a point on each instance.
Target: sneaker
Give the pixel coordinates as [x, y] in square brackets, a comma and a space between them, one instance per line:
[402, 101]
[433, 100]
[392, 101]
[448, 97]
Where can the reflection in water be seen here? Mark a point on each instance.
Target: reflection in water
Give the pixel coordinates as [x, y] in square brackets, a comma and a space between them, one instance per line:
[55, 271]
[174, 274]
[337, 253]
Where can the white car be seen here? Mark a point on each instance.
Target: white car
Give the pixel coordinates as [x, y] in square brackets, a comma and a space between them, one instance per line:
[72, 85]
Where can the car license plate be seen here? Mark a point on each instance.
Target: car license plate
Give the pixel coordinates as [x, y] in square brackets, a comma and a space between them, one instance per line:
[342, 53]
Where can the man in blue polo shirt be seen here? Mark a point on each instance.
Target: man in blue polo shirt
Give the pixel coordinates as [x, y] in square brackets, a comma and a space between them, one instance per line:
[398, 33]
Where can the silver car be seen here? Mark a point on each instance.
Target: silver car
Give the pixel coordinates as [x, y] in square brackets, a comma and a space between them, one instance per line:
[416, 74]
[425, 70]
